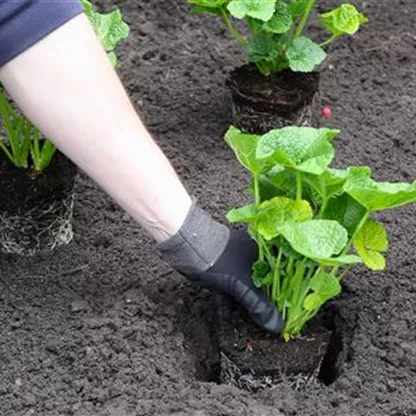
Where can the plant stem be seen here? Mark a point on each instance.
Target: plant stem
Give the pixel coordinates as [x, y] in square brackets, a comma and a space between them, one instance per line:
[237, 36]
[345, 272]
[257, 200]
[267, 253]
[351, 240]
[297, 283]
[285, 281]
[276, 278]
[305, 18]
[357, 230]
[296, 295]
[264, 68]
[252, 25]
[5, 110]
[320, 269]
[256, 184]
[310, 274]
[323, 206]
[328, 41]
[298, 186]
[289, 268]
[6, 151]
[25, 143]
[298, 316]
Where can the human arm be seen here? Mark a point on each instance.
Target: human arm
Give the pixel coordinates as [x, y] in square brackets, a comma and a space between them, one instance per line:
[65, 84]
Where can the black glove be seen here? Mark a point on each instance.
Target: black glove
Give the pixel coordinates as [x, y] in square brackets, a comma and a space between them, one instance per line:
[232, 275]
[208, 253]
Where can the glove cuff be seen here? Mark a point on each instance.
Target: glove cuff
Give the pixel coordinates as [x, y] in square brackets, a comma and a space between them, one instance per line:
[197, 245]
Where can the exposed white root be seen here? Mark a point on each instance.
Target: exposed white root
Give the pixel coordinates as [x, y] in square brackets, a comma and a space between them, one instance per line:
[248, 380]
[246, 117]
[42, 229]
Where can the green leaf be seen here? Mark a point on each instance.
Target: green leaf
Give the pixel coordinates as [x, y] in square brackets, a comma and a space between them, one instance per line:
[281, 182]
[201, 9]
[370, 243]
[258, 9]
[88, 9]
[318, 156]
[297, 8]
[281, 21]
[344, 19]
[261, 275]
[277, 182]
[316, 239]
[324, 286]
[328, 183]
[109, 28]
[301, 148]
[113, 59]
[275, 212]
[341, 260]
[209, 4]
[312, 301]
[244, 147]
[269, 217]
[304, 55]
[262, 47]
[378, 196]
[26, 138]
[248, 213]
[47, 153]
[345, 210]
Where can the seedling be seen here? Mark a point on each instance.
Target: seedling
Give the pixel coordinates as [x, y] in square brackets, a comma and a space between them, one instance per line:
[276, 37]
[25, 147]
[307, 217]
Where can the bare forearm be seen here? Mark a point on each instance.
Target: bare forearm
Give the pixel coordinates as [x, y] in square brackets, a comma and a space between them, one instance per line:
[67, 87]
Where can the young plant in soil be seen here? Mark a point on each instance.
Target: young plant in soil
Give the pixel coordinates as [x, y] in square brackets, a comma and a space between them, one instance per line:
[25, 147]
[312, 223]
[277, 38]
[37, 181]
[279, 85]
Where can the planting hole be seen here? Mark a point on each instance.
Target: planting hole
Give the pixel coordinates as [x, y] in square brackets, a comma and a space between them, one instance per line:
[330, 366]
[339, 345]
[197, 323]
[200, 328]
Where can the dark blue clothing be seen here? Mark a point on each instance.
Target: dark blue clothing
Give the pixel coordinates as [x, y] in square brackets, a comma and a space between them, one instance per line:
[25, 22]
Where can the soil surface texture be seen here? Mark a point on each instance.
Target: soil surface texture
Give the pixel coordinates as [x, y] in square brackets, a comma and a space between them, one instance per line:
[103, 327]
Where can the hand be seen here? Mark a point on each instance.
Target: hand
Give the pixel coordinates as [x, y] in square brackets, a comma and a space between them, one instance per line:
[232, 275]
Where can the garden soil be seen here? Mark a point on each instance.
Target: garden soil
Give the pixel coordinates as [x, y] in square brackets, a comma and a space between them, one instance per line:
[103, 327]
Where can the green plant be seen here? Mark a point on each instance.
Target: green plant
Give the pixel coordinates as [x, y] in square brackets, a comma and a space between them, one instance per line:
[109, 28]
[25, 147]
[276, 29]
[307, 217]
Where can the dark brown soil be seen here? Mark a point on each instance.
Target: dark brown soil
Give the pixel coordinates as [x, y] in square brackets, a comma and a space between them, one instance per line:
[102, 327]
[24, 189]
[36, 208]
[253, 359]
[283, 92]
[260, 103]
